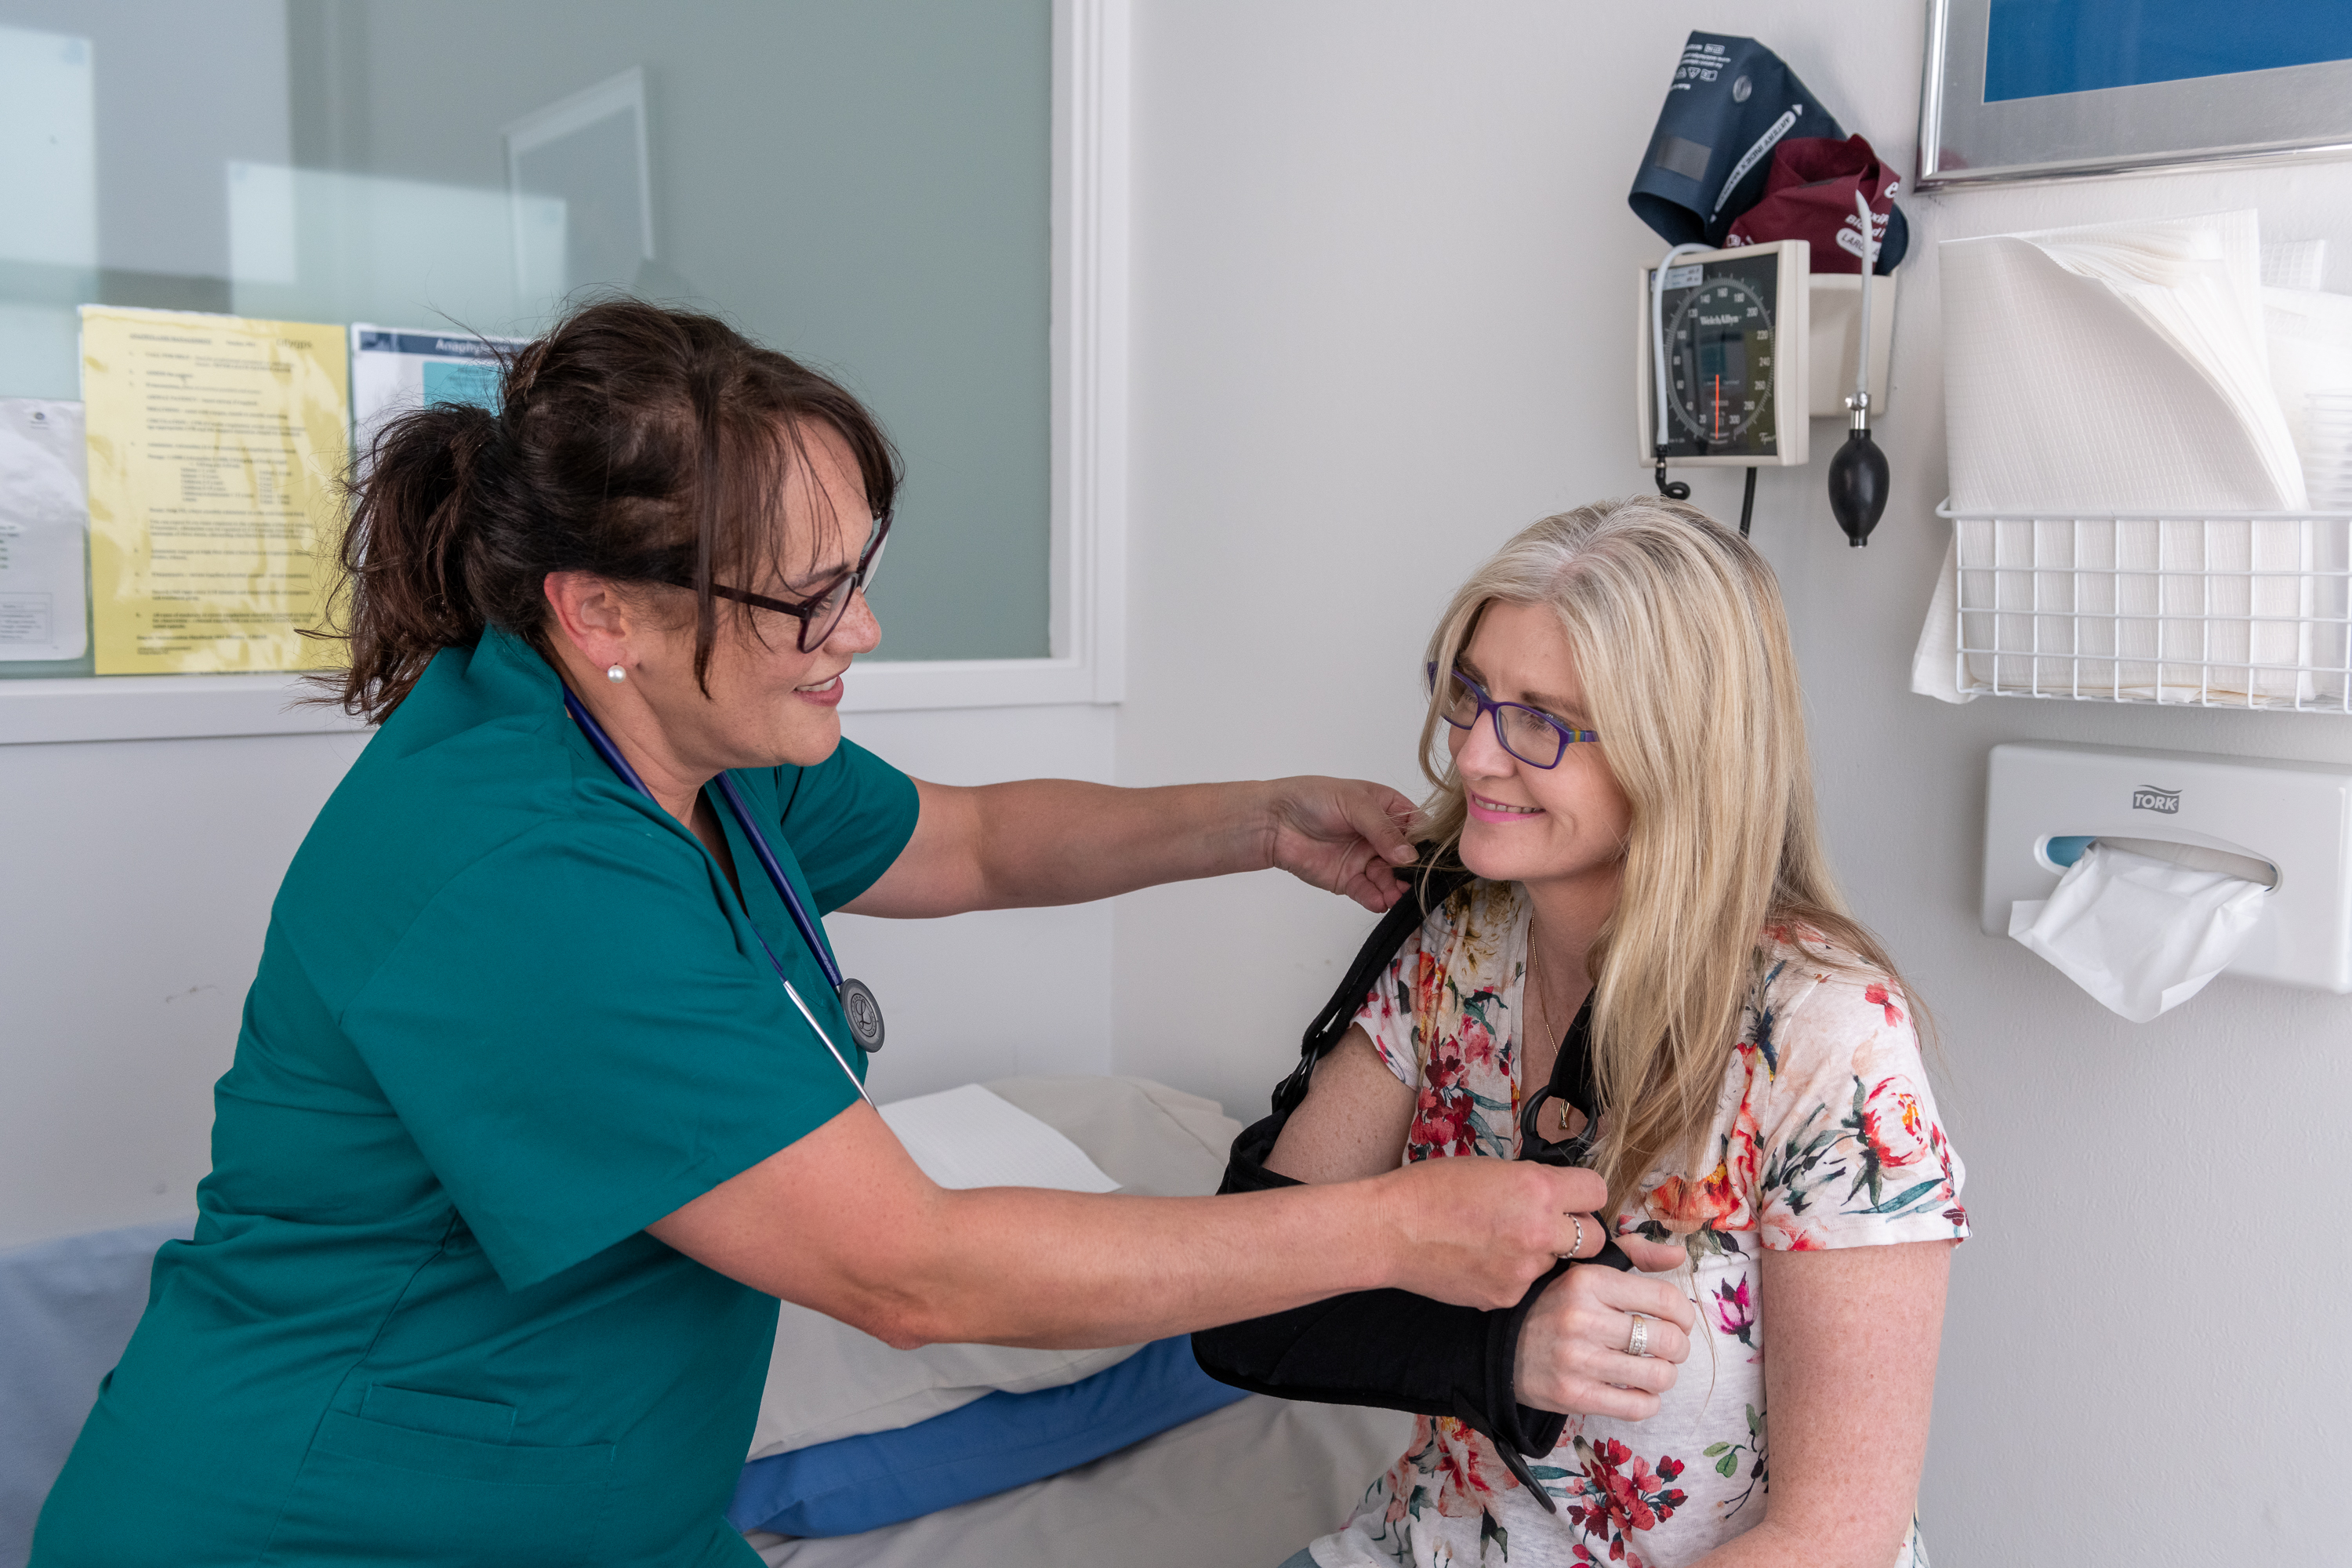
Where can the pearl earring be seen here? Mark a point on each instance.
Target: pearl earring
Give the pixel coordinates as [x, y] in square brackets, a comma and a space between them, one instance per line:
[617, 674]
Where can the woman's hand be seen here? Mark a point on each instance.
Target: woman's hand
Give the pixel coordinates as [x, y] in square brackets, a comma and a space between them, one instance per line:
[1342, 836]
[1477, 1233]
[1572, 1346]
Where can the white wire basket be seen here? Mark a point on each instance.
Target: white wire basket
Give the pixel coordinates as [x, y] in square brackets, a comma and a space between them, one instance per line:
[2226, 610]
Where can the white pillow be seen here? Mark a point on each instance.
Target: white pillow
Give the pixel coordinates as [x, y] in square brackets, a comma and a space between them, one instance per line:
[828, 1380]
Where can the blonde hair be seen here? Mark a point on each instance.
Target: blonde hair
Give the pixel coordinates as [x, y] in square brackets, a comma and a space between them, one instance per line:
[1676, 627]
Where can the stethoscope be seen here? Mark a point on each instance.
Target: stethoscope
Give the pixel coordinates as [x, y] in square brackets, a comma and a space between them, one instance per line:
[857, 1003]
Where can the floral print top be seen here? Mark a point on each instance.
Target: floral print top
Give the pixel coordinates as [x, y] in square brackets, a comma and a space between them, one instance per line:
[1826, 1135]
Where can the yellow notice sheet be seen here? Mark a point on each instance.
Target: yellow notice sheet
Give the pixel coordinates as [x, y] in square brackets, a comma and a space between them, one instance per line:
[215, 444]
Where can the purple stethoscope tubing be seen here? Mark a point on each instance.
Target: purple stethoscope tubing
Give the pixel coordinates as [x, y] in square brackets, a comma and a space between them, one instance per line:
[850, 991]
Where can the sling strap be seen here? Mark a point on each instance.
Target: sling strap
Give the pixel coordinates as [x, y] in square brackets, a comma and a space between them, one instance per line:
[1390, 1349]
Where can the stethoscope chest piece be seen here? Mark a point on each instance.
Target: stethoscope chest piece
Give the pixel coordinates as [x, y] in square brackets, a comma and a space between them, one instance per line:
[864, 1015]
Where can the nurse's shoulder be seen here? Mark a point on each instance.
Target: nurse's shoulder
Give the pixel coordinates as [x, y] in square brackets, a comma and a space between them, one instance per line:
[477, 786]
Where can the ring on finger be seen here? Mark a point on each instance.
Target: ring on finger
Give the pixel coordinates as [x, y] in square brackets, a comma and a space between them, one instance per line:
[1638, 1342]
[1578, 1245]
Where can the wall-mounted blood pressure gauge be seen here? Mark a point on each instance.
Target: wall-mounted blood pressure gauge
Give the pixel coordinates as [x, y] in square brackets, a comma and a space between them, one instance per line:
[1733, 327]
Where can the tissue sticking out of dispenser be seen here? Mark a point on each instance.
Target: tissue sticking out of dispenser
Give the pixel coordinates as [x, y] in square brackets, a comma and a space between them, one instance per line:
[1858, 475]
[2141, 933]
[2134, 848]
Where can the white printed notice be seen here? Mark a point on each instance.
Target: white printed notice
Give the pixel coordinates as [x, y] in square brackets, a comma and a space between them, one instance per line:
[395, 369]
[44, 531]
[217, 450]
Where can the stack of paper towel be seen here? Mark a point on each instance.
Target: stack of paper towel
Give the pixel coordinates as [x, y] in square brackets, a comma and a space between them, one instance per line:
[2132, 369]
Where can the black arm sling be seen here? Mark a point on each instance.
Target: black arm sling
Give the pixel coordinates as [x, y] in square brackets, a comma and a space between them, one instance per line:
[1392, 1349]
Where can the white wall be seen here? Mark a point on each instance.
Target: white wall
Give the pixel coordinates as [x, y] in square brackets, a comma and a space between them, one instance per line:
[133, 894]
[1382, 320]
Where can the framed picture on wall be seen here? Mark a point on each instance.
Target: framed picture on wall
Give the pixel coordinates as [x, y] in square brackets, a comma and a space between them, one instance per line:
[583, 186]
[2037, 89]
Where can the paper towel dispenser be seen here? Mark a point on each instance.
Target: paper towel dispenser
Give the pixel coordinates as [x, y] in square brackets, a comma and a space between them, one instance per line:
[2045, 801]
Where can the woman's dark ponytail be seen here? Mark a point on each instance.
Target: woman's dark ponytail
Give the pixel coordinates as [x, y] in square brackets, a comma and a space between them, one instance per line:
[643, 445]
[403, 556]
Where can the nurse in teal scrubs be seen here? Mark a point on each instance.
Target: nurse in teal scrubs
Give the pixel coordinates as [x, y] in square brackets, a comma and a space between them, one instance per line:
[524, 1136]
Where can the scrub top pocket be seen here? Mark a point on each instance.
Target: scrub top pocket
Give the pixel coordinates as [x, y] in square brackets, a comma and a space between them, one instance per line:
[384, 1485]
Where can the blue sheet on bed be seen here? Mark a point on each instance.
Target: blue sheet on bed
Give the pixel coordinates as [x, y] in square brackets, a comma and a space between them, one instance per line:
[997, 1442]
[66, 1308]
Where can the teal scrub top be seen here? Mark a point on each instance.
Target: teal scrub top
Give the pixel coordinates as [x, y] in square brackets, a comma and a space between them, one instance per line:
[508, 1012]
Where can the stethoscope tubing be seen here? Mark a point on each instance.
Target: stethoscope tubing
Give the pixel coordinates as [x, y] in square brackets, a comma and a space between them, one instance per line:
[809, 931]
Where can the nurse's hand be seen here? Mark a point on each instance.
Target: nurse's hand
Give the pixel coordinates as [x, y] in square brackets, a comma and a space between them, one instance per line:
[1477, 1233]
[1340, 835]
[1572, 1347]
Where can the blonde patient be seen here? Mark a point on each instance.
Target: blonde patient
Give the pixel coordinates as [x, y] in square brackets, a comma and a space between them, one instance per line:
[1624, 768]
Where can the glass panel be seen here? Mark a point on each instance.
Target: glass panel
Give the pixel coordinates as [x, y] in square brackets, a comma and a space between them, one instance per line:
[864, 186]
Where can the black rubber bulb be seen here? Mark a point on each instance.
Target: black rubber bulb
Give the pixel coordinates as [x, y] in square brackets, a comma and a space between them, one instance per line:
[1858, 485]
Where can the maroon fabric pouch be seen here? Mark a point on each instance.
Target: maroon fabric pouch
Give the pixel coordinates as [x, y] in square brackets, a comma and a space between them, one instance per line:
[1808, 196]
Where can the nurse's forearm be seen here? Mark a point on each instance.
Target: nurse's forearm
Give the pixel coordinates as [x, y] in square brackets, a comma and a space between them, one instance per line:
[1021, 1266]
[1061, 841]
[844, 1223]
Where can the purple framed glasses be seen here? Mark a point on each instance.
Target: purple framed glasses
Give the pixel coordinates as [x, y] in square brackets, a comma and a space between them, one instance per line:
[820, 613]
[1533, 736]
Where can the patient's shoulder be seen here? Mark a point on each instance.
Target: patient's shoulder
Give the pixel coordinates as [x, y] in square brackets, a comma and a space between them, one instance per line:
[1800, 968]
[1818, 1007]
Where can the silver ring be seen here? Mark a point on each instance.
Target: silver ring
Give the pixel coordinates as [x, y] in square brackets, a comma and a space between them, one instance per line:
[1578, 1245]
[1638, 1342]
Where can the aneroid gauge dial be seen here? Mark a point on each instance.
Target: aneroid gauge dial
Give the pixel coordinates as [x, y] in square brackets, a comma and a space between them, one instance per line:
[1719, 362]
[1733, 326]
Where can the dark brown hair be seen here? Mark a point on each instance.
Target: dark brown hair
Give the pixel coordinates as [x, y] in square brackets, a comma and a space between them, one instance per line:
[643, 445]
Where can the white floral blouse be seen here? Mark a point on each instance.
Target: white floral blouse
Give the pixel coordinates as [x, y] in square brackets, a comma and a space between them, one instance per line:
[1825, 1136]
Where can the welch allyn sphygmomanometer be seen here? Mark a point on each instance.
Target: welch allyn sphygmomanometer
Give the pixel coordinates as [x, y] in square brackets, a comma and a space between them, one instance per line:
[1723, 333]
[864, 1014]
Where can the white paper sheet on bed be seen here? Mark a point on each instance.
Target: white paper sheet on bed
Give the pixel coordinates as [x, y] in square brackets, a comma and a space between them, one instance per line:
[1243, 1487]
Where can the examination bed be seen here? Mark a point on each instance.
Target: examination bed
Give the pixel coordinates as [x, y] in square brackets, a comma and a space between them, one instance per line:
[1243, 1487]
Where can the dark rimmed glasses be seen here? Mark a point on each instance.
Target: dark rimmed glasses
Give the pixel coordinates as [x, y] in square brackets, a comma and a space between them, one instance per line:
[821, 613]
[1533, 736]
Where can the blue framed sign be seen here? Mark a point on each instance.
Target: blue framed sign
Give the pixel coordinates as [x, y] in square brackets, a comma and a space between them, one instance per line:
[2034, 89]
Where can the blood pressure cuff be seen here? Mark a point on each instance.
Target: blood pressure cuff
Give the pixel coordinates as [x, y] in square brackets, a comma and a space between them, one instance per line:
[1731, 102]
[1810, 195]
[1388, 1349]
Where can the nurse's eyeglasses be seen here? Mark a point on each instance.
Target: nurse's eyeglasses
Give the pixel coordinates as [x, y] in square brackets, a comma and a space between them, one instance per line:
[819, 613]
[1531, 734]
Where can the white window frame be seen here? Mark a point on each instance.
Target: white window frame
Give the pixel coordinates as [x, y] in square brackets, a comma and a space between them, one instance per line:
[1088, 490]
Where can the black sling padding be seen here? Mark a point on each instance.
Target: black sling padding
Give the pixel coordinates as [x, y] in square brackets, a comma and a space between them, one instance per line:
[1392, 1349]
